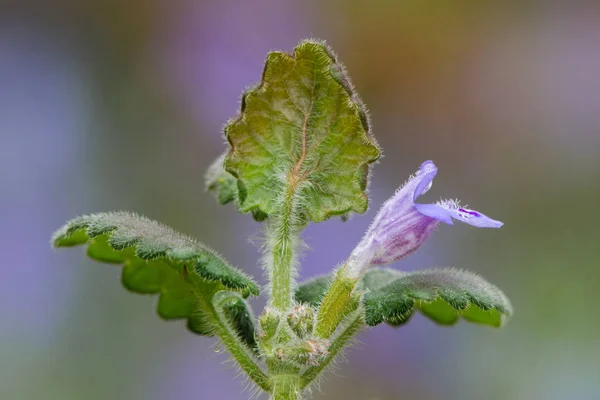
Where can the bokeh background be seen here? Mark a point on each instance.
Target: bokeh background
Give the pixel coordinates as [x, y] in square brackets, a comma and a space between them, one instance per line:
[111, 105]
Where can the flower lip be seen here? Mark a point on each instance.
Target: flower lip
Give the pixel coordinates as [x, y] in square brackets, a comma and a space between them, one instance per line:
[475, 218]
[435, 211]
[447, 210]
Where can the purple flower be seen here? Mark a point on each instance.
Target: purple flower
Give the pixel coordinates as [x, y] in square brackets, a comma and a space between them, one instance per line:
[402, 226]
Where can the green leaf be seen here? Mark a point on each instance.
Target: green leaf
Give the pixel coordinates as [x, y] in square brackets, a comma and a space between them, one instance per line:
[220, 182]
[302, 130]
[444, 295]
[158, 260]
[312, 291]
[238, 312]
[224, 186]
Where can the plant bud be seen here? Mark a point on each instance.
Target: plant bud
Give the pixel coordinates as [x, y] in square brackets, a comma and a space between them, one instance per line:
[269, 321]
[301, 320]
[310, 351]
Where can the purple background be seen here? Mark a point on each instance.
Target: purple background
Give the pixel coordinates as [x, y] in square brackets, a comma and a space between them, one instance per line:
[108, 105]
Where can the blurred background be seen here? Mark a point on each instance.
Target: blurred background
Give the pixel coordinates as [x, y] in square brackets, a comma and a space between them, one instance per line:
[110, 105]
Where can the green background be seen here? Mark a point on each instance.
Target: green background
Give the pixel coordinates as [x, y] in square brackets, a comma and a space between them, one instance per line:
[109, 105]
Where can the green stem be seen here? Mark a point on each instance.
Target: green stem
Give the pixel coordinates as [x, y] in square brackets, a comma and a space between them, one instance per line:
[337, 303]
[282, 238]
[212, 307]
[353, 324]
[286, 387]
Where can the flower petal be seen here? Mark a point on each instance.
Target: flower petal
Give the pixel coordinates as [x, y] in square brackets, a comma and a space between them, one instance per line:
[445, 210]
[399, 228]
[423, 179]
[475, 218]
[436, 211]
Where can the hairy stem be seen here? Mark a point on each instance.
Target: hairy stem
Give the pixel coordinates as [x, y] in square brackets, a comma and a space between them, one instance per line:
[286, 387]
[283, 235]
[337, 303]
[352, 325]
[228, 335]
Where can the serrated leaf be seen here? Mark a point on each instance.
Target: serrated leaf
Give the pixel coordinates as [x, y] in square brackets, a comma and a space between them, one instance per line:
[302, 129]
[158, 260]
[444, 295]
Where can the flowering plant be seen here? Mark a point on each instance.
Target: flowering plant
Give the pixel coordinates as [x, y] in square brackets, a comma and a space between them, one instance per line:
[300, 151]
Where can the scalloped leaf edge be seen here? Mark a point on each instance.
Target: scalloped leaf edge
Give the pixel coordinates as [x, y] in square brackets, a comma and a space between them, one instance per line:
[467, 306]
[108, 242]
[452, 302]
[339, 74]
[207, 263]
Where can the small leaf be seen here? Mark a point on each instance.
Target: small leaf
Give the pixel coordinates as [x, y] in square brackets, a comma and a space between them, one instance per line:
[159, 260]
[220, 182]
[239, 314]
[441, 294]
[302, 128]
[225, 187]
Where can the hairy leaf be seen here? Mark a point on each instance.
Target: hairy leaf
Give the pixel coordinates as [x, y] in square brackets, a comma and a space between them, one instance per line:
[303, 130]
[239, 314]
[312, 291]
[158, 260]
[444, 295]
[225, 187]
[220, 182]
